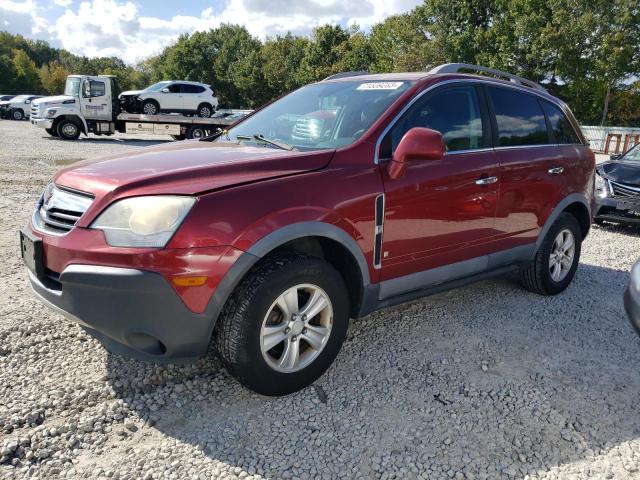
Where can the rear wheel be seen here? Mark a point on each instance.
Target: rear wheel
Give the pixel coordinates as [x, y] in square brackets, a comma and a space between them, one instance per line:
[284, 324]
[17, 114]
[68, 130]
[150, 107]
[205, 110]
[556, 261]
[195, 132]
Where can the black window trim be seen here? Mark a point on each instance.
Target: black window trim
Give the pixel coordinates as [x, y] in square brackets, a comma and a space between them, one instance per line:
[437, 89]
[376, 156]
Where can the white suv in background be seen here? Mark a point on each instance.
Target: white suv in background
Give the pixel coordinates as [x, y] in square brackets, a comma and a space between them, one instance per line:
[18, 107]
[171, 96]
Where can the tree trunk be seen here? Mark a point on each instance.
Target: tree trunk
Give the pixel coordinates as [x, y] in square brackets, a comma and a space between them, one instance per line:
[605, 110]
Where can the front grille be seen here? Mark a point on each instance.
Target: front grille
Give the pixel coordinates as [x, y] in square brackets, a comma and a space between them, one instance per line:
[620, 190]
[34, 111]
[59, 209]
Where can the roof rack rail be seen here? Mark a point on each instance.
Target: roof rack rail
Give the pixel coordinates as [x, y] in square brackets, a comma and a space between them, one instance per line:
[345, 74]
[461, 67]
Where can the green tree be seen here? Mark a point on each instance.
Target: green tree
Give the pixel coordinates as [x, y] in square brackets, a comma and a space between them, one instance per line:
[323, 53]
[281, 58]
[53, 77]
[398, 44]
[26, 73]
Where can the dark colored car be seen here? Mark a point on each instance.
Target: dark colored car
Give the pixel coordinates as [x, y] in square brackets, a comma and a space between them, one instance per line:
[346, 196]
[618, 188]
[632, 297]
[4, 98]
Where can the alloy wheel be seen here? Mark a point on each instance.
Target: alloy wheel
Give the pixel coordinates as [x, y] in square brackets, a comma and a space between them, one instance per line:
[562, 255]
[296, 328]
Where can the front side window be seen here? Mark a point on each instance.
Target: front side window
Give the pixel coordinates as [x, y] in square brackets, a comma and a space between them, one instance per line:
[454, 112]
[561, 128]
[174, 88]
[519, 117]
[96, 89]
[324, 115]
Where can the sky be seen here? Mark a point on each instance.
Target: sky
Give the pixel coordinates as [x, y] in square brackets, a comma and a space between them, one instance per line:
[135, 30]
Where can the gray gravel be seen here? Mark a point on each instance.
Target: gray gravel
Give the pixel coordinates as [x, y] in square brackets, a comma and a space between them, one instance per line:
[486, 381]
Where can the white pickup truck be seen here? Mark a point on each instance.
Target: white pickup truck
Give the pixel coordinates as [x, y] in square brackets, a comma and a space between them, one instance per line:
[90, 105]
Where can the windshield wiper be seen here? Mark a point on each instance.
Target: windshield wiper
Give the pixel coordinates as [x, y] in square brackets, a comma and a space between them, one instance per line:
[261, 138]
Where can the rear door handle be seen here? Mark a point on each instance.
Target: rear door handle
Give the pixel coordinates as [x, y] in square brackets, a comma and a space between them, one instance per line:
[486, 180]
[556, 170]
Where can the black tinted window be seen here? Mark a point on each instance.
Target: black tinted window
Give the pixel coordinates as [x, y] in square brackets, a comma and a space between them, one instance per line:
[174, 88]
[454, 112]
[561, 128]
[519, 117]
[187, 88]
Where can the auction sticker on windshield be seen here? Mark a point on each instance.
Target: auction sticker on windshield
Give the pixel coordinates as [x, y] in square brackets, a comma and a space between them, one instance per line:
[380, 86]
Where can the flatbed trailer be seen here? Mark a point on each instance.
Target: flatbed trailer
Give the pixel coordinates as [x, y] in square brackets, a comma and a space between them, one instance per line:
[176, 125]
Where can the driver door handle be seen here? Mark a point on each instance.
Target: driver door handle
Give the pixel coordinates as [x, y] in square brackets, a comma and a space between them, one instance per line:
[556, 170]
[486, 180]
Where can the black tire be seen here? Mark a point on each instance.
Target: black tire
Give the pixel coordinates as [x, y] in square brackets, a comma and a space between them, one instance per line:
[17, 114]
[205, 110]
[195, 131]
[68, 130]
[150, 107]
[51, 131]
[536, 277]
[178, 137]
[237, 335]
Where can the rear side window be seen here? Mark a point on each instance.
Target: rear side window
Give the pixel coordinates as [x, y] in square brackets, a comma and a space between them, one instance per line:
[519, 118]
[188, 88]
[454, 112]
[561, 129]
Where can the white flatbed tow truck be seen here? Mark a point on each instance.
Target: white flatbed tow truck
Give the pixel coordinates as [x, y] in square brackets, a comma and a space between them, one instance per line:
[89, 105]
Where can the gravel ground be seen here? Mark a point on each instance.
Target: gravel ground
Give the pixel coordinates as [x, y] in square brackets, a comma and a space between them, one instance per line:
[486, 381]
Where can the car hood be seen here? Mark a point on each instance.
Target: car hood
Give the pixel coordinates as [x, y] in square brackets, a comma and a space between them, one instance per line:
[129, 92]
[52, 100]
[187, 167]
[623, 172]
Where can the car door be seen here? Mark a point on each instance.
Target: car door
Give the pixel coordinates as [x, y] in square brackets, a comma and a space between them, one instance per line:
[191, 96]
[96, 99]
[441, 212]
[171, 101]
[532, 167]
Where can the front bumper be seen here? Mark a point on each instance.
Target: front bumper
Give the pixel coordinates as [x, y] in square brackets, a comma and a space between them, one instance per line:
[618, 210]
[131, 311]
[42, 122]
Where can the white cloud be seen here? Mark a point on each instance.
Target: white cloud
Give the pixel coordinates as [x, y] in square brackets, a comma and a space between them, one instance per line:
[116, 27]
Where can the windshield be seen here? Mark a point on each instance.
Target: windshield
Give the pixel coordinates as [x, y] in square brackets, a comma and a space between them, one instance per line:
[19, 98]
[72, 87]
[632, 155]
[156, 87]
[323, 115]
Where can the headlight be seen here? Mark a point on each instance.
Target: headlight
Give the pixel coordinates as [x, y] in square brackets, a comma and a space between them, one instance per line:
[51, 112]
[143, 221]
[601, 186]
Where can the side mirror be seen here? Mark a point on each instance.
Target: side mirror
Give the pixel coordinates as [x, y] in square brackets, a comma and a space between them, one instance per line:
[27, 101]
[165, 90]
[615, 156]
[417, 144]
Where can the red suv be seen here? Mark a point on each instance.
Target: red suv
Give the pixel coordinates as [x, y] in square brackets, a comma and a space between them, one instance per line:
[348, 195]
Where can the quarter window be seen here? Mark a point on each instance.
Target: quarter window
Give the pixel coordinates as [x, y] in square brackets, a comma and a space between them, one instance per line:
[519, 118]
[561, 128]
[454, 112]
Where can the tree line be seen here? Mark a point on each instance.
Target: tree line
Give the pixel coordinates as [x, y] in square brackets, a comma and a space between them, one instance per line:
[584, 51]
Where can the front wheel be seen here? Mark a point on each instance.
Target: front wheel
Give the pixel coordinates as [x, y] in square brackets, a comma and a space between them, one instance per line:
[17, 114]
[68, 130]
[149, 107]
[284, 324]
[557, 258]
